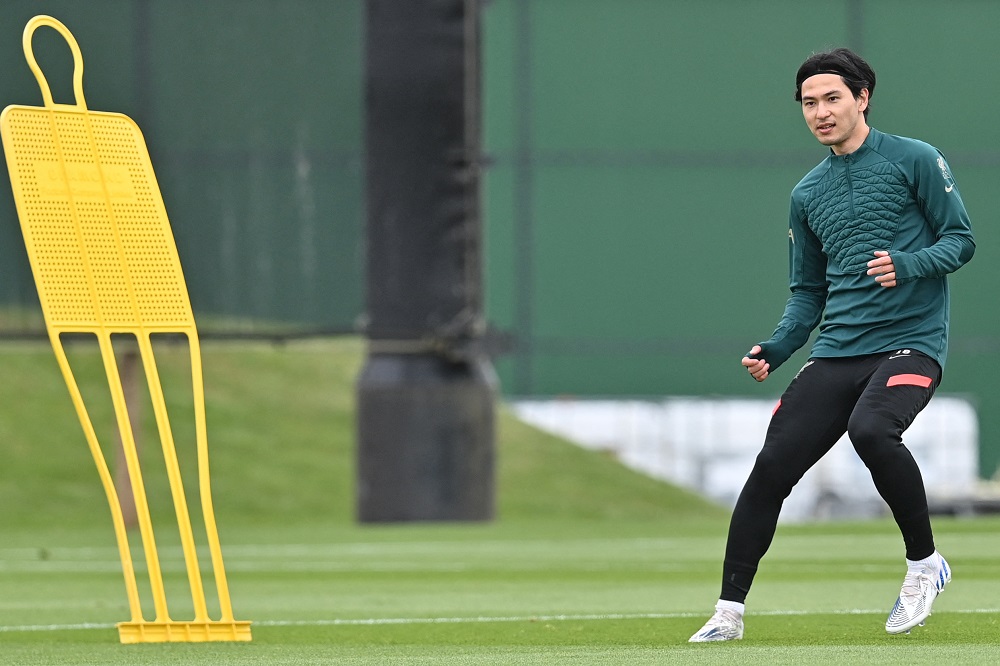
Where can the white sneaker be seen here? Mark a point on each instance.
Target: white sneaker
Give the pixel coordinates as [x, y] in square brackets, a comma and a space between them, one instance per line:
[916, 597]
[725, 625]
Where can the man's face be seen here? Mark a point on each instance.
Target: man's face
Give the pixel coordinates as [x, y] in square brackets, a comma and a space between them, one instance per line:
[832, 113]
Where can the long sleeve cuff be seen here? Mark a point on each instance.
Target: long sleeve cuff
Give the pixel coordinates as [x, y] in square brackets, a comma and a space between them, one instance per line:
[783, 344]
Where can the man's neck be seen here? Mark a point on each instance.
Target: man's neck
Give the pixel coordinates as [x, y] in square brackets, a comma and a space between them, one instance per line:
[855, 142]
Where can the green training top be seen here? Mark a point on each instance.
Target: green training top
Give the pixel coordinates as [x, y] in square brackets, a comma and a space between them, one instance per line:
[892, 193]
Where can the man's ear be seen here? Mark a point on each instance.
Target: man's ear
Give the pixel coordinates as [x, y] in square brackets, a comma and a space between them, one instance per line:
[863, 98]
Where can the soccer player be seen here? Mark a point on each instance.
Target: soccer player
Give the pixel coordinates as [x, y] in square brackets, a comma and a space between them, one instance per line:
[873, 232]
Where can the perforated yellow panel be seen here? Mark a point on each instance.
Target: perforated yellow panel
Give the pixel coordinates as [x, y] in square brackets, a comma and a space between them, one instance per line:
[104, 262]
[93, 221]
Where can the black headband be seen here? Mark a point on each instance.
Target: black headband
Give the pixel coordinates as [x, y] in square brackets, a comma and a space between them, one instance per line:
[838, 72]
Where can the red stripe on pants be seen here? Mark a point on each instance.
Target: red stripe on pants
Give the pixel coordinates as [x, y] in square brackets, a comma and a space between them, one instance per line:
[909, 380]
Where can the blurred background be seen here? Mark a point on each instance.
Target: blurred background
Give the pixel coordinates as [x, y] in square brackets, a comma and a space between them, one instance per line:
[639, 159]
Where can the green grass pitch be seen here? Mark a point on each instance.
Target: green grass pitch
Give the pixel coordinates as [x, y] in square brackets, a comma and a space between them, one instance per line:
[587, 562]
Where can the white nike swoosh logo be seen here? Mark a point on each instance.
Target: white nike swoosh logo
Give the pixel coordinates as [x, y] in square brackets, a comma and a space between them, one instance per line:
[949, 188]
[898, 356]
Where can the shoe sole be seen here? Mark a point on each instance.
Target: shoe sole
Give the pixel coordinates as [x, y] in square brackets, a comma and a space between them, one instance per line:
[714, 640]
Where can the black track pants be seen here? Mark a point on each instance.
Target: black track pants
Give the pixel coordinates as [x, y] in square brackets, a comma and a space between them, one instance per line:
[873, 399]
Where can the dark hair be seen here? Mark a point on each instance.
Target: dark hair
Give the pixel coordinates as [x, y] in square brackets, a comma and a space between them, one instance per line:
[852, 69]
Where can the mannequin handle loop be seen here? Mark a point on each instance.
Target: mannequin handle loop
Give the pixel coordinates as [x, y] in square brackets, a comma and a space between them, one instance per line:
[29, 54]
